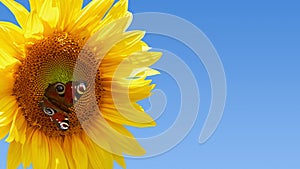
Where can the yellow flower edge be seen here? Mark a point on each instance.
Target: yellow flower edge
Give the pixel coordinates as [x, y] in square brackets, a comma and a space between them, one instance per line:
[43, 49]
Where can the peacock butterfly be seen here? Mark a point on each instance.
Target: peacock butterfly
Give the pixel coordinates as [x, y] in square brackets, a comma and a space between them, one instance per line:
[58, 98]
[65, 95]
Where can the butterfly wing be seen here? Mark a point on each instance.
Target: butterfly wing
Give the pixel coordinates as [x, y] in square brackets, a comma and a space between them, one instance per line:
[65, 95]
[58, 98]
[61, 120]
[58, 116]
[78, 88]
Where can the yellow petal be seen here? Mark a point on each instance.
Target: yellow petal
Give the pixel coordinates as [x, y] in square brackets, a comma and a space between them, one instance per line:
[7, 79]
[8, 110]
[79, 152]
[110, 139]
[106, 156]
[134, 145]
[127, 44]
[89, 17]
[58, 159]
[7, 104]
[103, 40]
[68, 9]
[34, 28]
[14, 155]
[134, 65]
[18, 129]
[146, 72]
[128, 90]
[40, 150]
[143, 59]
[12, 41]
[22, 127]
[119, 10]
[14, 133]
[26, 149]
[120, 160]
[3, 131]
[6, 59]
[18, 10]
[98, 159]
[67, 146]
[49, 12]
[132, 114]
[114, 28]
[35, 5]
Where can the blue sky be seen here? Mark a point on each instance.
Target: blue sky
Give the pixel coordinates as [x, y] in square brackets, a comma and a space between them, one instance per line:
[258, 43]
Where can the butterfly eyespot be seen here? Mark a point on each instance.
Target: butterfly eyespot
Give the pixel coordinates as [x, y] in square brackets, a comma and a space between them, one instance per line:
[81, 88]
[64, 125]
[49, 111]
[60, 88]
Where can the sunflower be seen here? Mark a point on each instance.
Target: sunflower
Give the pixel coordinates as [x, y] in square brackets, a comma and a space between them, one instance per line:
[58, 42]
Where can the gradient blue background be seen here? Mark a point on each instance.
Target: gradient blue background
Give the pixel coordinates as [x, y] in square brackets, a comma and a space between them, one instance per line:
[258, 43]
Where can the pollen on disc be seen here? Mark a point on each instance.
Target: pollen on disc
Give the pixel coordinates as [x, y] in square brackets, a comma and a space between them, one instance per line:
[47, 61]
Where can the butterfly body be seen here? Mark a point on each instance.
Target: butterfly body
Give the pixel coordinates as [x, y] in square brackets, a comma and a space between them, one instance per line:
[57, 100]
